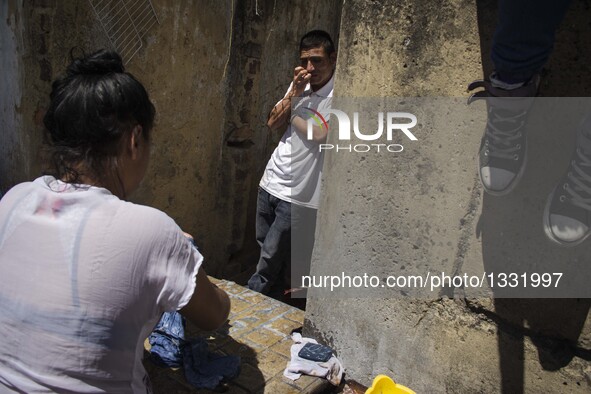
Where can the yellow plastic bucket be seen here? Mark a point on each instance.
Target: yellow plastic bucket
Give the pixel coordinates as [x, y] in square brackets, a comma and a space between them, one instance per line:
[382, 384]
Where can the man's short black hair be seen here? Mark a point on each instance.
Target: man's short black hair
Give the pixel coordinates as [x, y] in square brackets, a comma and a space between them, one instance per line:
[315, 39]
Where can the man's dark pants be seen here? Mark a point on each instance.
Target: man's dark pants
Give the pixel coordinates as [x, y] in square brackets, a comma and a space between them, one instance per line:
[524, 36]
[285, 233]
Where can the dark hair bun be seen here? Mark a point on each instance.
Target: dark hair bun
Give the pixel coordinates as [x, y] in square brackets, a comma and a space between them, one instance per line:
[91, 109]
[99, 63]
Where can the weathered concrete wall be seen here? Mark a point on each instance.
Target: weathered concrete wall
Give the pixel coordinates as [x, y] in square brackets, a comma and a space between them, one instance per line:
[184, 66]
[35, 42]
[213, 69]
[425, 210]
[181, 64]
[10, 41]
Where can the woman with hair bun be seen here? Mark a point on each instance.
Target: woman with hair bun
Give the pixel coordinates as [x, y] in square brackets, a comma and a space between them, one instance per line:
[84, 274]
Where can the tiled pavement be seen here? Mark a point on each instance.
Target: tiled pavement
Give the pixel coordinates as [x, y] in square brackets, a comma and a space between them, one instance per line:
[259, 332]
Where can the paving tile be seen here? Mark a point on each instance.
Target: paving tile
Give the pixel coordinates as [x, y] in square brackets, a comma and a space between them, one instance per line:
[244, 324]
[271, 363]
[253, 297]
[246, 350]
[264, 337]
[318, 386]
[192, 329]
[265, 310]
[282, 325]
[283, 347]
[295, 314]
[250, 378]
[238, 305]
[231, 287]
[279, 386]
[281, 308]
[305, 381]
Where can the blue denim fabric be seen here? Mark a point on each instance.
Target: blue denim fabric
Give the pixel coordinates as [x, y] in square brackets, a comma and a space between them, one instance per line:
[166, 340]
[273, 233]
[203, 369]
[524, 36]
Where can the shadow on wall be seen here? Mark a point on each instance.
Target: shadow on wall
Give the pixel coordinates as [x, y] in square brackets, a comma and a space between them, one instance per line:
[510, 227]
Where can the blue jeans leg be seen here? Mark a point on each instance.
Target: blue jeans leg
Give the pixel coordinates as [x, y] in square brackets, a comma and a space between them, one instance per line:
[524, 36]
[273, 232]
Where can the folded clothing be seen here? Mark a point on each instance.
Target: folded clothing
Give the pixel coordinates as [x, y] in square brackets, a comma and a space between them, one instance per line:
[332, 369]
[167, 339]
[203, 369]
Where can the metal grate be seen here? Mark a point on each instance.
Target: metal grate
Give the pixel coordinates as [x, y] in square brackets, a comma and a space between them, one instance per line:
[125, 22]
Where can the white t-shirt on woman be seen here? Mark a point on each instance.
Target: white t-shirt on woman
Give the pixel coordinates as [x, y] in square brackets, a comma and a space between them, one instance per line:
[84, 277]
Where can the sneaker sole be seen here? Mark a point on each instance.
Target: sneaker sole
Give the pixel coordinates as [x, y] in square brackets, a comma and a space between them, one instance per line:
[513, 184]
[548, 228]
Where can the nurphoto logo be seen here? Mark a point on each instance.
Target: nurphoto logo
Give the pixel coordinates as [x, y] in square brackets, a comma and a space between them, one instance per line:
[394, 122]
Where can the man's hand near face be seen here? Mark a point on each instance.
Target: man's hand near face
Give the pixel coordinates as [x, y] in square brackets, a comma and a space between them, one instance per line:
[280, 114]
[301, 77]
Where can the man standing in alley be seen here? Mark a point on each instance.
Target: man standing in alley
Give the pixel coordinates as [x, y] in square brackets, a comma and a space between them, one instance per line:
[289, 191]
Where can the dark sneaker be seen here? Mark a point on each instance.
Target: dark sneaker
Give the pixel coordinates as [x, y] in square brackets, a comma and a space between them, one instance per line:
[503, 148]
[567, 216]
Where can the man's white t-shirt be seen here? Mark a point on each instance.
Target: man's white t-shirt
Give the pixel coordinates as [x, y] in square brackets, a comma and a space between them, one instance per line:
[84, 278]
[294, 170]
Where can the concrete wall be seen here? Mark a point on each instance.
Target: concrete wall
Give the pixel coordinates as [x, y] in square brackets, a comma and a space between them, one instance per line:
[11, 83]
[35, 41]
[425, 210]
[213, 69]
[184, 65]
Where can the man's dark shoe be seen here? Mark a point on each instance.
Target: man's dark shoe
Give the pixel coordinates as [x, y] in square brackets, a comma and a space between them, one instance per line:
[567, 216]
[503, 148]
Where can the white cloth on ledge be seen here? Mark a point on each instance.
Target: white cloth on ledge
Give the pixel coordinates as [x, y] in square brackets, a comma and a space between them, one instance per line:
[332, 369]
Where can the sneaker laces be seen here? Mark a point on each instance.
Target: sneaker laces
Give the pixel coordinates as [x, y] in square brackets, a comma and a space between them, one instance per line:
[500, 141]
[580, 193]
[507, 113]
